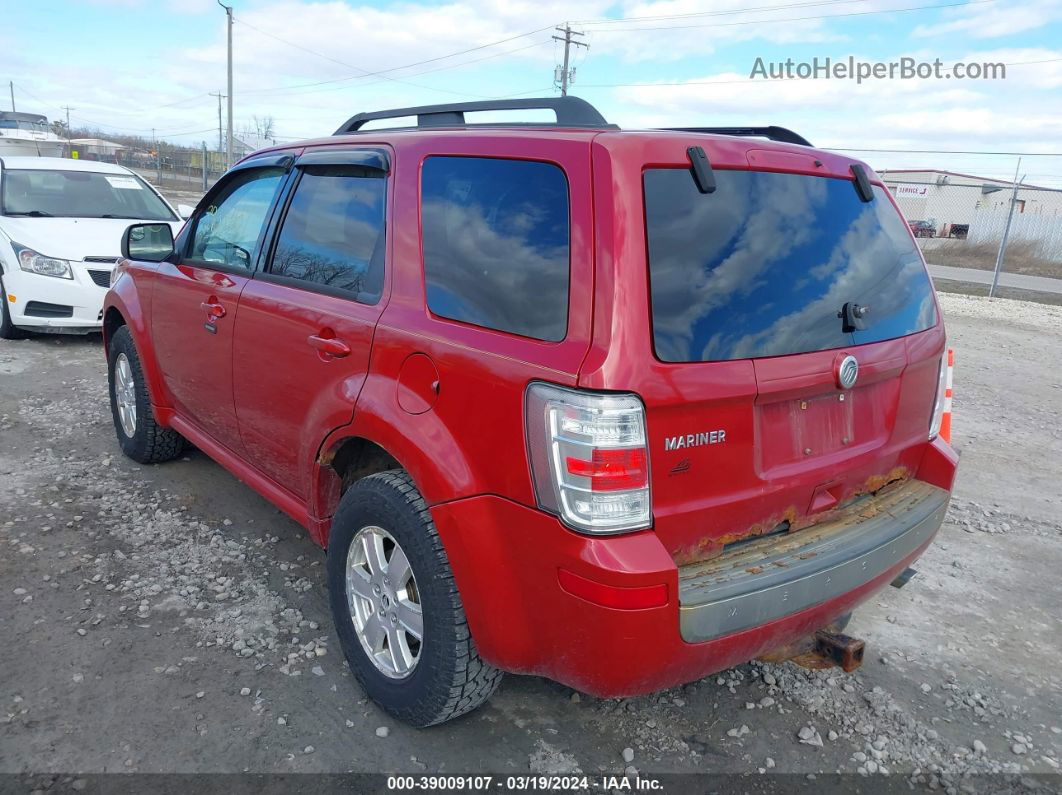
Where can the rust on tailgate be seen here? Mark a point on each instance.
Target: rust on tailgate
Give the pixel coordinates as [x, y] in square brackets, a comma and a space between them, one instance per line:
[790, 520]
[895, 497]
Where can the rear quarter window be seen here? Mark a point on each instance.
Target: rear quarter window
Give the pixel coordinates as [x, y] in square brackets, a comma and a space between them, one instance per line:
[762, 266]
[496, 244]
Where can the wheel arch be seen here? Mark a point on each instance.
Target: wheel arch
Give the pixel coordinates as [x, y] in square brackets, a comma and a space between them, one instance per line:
[123, 307]
[374, 443]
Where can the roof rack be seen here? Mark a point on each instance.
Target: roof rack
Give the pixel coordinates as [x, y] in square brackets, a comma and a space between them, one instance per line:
[771, 133]
[571, 112]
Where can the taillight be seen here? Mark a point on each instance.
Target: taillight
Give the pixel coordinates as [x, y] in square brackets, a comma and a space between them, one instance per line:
[589, 458]
[940, 400]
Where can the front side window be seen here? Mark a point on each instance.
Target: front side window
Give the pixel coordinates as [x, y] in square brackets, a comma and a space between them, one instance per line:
[496, 244]
[45, 193]
[227, 231]
[333, 232]
[765, 265]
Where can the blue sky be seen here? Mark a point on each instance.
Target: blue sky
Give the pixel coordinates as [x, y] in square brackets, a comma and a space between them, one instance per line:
[131, 65]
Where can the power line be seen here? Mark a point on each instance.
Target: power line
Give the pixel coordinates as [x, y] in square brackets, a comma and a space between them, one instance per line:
[416, 74]
[717, 13]
[791, 19]
[383, 73]
[365, 72]
[750, 81]
[944, 152]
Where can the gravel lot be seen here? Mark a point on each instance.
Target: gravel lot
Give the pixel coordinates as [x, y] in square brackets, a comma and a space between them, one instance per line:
[167, 619]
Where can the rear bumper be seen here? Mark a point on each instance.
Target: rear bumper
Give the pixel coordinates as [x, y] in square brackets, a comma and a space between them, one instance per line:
[507, 561]
[772, 578]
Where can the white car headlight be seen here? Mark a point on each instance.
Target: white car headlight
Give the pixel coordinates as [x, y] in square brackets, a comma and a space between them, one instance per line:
[35, 262]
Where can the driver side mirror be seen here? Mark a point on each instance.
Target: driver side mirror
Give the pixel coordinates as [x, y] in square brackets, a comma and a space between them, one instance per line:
[148, 242]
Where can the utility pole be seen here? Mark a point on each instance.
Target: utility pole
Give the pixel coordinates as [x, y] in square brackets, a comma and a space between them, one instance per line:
[11, 85]
[158, 159]
[228, 148]
[67, 108]
[567, 74]
[1006, 232]
[220, 97]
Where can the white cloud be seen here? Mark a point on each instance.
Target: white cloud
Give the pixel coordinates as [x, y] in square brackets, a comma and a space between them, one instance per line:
[992, 20]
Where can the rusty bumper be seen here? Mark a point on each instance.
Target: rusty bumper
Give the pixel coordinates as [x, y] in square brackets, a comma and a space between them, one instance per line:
[774, 577]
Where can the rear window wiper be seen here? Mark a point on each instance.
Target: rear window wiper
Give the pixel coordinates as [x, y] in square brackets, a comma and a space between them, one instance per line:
[702, 169]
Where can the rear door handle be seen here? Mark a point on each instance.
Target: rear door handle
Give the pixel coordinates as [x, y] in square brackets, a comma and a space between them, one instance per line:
[329, 345]
[213, 309]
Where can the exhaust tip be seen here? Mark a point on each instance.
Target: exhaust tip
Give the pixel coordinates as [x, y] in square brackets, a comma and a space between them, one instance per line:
[903, 577]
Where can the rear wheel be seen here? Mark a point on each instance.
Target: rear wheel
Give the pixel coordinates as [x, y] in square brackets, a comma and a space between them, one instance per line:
[396, 607]
[8, 330]
[139, 436]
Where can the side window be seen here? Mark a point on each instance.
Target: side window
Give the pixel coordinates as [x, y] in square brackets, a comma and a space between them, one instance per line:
[496, 244]
[333, 231]
[227, 231]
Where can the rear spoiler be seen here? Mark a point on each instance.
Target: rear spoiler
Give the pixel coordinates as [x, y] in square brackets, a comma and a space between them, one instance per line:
[771, 133]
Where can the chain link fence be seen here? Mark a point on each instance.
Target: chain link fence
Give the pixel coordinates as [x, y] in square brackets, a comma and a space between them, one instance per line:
[184, 173]
[961, 221]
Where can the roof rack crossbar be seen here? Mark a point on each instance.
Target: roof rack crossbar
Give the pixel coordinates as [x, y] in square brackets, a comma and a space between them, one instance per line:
[571, 112]
[771, 133]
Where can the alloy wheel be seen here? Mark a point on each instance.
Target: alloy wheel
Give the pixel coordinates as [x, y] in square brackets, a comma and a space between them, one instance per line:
[384, 602]
[125, 394]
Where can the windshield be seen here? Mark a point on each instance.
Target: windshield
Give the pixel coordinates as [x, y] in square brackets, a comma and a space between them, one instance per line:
[13, 124]
[766, 265]
[80, 194]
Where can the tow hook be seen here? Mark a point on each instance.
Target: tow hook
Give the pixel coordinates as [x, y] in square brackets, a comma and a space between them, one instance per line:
[843, 651]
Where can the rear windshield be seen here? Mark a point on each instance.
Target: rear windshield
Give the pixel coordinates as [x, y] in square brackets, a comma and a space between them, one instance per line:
[765, 264]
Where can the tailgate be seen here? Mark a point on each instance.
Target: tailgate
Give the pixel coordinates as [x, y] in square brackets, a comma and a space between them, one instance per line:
[768, 295]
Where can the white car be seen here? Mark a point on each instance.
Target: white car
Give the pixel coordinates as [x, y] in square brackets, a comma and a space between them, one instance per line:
[61, 227]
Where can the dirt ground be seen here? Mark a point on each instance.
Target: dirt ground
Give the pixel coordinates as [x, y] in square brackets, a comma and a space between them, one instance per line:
[167, 619]
[1022, 256]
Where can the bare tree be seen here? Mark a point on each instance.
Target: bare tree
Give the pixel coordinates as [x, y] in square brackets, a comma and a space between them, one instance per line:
[264, 126]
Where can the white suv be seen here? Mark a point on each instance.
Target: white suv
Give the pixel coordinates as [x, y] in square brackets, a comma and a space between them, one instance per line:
[61, 226]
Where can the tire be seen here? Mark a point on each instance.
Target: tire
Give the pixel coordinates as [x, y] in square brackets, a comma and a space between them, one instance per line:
[145, 441]
[447, 678]
[8, 330]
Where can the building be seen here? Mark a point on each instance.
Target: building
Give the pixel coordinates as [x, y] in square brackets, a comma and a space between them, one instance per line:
[972, 208]
[96, 149]
[951, 201]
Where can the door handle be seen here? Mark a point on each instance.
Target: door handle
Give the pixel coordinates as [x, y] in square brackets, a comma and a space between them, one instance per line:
[213, 309]
[329, 345]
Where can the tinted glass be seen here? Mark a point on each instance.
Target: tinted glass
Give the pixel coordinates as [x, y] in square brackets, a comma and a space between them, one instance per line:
[333, 232]
[81, 194]
[496, 244]
[227, 231]
[763, 266]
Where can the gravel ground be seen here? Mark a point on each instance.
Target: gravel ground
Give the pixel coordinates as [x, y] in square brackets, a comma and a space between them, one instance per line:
[166, 619]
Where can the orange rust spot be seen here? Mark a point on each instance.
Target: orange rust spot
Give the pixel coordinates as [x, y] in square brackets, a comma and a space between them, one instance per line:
[708, 548]
[877, 482]
[754, 569]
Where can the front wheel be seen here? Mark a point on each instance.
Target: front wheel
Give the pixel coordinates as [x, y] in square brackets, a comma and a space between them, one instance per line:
[139, 436]
[8, 330]
[396, 607]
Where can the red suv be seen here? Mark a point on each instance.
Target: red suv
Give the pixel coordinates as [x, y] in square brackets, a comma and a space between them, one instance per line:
[618, 408]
